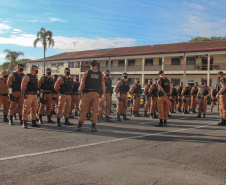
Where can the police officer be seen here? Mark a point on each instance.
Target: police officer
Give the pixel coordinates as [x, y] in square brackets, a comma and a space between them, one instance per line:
[179, 90]
[122, 88]
[64, 87]
[173, 98]
[186, 93]
[136, 92]
[55, 96]
[222, 95]
[16, 98]
[4, 89]
[153, 91]
[94, 85]
[75, 97]
[29, 87]
[147, 98]
[194, 92]
[203, 95]
[214, 99]
[164, 89]
[46, 85]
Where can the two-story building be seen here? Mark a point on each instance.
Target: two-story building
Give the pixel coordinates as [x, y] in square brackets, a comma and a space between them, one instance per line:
[181, 62]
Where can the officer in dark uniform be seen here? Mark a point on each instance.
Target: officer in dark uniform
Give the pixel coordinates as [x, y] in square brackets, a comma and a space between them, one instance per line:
[55, 97]
[64, 87]
[179, 90]
[46, 85]
[164, 89]
[75, 97]
[153, 91]
[29, 87]
[173, 98]
[93, 84]
[16, 98]
[194, 92]
[122, 88]
[147, 105]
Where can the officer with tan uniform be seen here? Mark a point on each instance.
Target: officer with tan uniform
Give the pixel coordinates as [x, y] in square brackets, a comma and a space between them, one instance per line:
[64, 87]
[4, 90]
[46, 85]
[29, 87]
[173, 97]
[222, 96]
[55, 97]
[147, 105]
[179, 90]
[75, 97]
[153, 91]
[164, 88]
[186, 93]
[16, 98]
[203, 95]
[214, 98]
[194, 92]
[122, 88]
[93, 85]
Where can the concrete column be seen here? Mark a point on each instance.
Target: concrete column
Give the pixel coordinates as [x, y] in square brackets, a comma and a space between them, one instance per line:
[126, 63]
[109, 64]
[163, 65]
[184, 67]
[208, 71]
[80, 65]
[143, 62]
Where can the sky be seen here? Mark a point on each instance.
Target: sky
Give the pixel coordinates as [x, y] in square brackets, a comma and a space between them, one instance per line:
[96, 24]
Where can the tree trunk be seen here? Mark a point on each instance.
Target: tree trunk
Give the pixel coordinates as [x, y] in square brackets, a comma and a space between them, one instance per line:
[44, 59]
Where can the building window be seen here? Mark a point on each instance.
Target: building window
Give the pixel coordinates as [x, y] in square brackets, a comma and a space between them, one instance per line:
[121, 63]
[191, 61]
[175, 81]
[71, 64]
[60, 64]
[160, 61]
[131, 62]
[148, 62]
[175, 61]
[53, 65]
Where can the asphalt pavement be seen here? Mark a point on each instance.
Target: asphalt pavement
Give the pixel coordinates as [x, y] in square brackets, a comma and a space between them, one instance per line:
[135, 152]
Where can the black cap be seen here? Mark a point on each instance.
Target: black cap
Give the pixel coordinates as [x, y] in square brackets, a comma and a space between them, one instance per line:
[124, 73]
[76, 76]
[107, 70]
[48, 69]
[34, 66]
[220, 73]
[67, 68]
[93, 63]
[55, 76]
[160, 72]
[22, 65]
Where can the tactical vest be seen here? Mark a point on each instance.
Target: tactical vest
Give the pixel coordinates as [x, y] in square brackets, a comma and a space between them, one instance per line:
[124, 87]
[165, 84]
[187, 91]
[32, 85]
[195, 92]
[108, 85]
[66, 87]
[75, 87]
[47, 84]
[174, 92]
[203, 91]
[223, 82]
[155, 91]
[16, 83]
[93, 80]
[180, 90]
[138, 89]
[214, 92]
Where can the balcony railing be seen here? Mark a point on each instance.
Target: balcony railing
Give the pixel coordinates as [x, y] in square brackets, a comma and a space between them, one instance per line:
[152, 68]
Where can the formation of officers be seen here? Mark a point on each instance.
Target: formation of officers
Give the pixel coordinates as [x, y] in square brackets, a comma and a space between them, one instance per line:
[92, 97]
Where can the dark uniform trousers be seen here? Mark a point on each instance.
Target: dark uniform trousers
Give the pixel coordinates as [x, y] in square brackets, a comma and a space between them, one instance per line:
[64, 103]
[214, 99]
[4, 100]
[55, 100]
[17, 102]
[147, 105]
[223, 106]
[136, 102]
[154, 104]
[30, 105]
[47, 98]
[202, 105]
[89, 99]
[193, 102]
[122, 103]
[163, 107]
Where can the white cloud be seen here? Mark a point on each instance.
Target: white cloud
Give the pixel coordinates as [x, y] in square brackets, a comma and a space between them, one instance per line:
[52, 19]
[194, 6]
[2, 55]
[4, 27]
[17, 30]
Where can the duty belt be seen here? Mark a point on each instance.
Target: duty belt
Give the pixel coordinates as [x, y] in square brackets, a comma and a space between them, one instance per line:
[47, 92]
[66, 93]
[92, 90]
[76, 93]
[16, 91]
[4, 94]
[31, 93]
[123, 92]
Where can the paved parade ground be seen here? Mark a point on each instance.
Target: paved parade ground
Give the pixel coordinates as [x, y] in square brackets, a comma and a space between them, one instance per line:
[188, 151]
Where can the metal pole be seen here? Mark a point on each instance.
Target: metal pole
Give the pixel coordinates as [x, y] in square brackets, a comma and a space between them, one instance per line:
[208, 71]
[185, 61]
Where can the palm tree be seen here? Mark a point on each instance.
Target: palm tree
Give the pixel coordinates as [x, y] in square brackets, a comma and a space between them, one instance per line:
[45, 37]
[12, 57]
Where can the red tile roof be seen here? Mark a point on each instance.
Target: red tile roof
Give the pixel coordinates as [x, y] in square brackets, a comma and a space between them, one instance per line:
[142, 50]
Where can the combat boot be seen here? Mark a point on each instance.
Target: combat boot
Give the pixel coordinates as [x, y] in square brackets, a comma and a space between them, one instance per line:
[11, 120]
[111, 111]
[53, 112]
[5, 119]
[125, 118]
[71, 116]
[204, 115]
[165, 123]
[186, 111]
[79, 128]
[107, 119]
[134, 113]
[15, 116]
[155, 116]
[145, 114]
[222, 122]
[101, 116]
[199, 116]
[67, 122]
[98, 119]
[20, 118]
[93, 127]
[40, 119]
[169, 116]
[34, 124]
[25, 124]
[87, 117]
[173, 111]
[58, 122]
[151, 115]
[131, 112]
[76, 113]
[138, 114]
[160, 123]
[118, 117]
[49, 119]
[179, 110]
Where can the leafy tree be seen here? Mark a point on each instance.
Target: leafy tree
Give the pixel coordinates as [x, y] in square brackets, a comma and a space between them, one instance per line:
[213, 38]
[12, 57]
[45, 37]
[5, 66]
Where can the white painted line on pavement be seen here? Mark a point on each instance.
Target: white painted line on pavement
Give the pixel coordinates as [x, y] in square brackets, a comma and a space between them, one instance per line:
[99, 143]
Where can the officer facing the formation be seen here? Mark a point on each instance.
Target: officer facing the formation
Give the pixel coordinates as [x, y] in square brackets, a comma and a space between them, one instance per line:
[75, 97]
[214, 98]
[147, 105]
[203, 95]
[164, 88]
[46, 85]
[136, 92]
[64, 87]
[29, 87]
[153, 91]
[179, 91]
[55, 96]
[173, 98]
[222, 96]
[122, 88]
[4, 89]
[186, 98]
[93, 85]
[194, 92]
[16, 98]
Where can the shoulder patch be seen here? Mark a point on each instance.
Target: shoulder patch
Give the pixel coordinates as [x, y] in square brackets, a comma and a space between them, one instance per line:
[25, 77]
